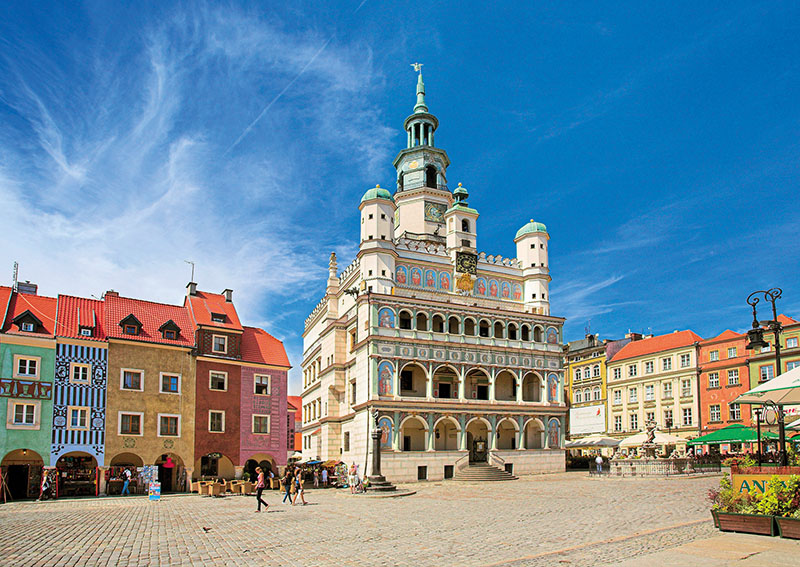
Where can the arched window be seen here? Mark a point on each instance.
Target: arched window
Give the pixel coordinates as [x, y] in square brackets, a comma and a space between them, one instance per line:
[405, 320]
[596, 393]
[469, 327]
[452, 325]
[596, 370]
[430, 177]
[587, 373]
[537, 334]
[512, 331]
[526, 333]
[498, 330]
[483, 328]
[438, 324]
[587, 395]
[578, 397]
[577, 374]
[400, 181]
[422, 322]
[464, 225]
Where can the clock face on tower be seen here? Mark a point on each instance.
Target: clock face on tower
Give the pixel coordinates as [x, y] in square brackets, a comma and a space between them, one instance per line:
[466, 263]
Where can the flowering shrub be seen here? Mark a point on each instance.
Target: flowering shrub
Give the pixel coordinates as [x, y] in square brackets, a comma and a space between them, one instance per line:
[779, 498]
[743, 461]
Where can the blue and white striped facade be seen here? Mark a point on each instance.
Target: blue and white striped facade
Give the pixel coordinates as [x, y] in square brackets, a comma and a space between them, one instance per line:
[67, 393]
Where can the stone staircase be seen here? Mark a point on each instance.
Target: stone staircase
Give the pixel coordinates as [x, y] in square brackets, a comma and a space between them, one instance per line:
[482, 472]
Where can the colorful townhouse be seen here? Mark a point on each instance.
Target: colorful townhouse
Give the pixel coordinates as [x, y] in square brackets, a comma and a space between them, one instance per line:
[79, 396]
[724, 375]
[762, 363]
[655, 379]
[295, 423]
[150, 408]
[27, 366]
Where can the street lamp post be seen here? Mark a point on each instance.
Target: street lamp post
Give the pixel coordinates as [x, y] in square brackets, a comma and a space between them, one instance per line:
[755, 339]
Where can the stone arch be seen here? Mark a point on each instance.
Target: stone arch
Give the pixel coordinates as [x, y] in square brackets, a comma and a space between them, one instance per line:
[404, 319]
[484, 328]
[525, 332]
[499, 330]
[126, 459]
[421, 321]
[453, 325]
[480, 418]
[512, 331]
[506, 435]
[446, 380]
[413, 380]
[532, 384]
[538, 334]
[470, 326]
[447, 434]
[533, 433]
[437, 323]
[413, 433]
[505, 386]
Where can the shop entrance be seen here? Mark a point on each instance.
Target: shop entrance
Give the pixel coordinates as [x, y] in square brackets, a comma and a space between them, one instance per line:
[22, 473]
[171, 473]
[77, 475]
[17, 481]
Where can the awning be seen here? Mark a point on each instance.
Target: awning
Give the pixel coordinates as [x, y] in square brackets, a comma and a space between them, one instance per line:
[313, 462]
[783, 390]
[595, 441]
[331, 463]
[736, 433]
[660, 439]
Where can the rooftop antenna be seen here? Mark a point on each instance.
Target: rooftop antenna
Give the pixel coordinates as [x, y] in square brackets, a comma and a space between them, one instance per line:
[588, 328]
[192, 263]
[14, 276]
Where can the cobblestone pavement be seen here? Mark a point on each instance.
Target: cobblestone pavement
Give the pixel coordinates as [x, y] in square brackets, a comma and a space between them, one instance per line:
[538, 520]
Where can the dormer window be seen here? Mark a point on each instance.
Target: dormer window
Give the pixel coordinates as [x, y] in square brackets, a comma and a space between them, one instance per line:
[219, 344]
[28, 327]
[170, 330]
[170, 335]
[86, 332]
[27, 322]
[218, 317]
[130, 330]
[131, 325]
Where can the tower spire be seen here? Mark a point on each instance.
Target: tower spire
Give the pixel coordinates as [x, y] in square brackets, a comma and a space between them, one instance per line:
[420, 107]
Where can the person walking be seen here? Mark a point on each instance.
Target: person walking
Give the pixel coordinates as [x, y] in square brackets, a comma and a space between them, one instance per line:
[288, 480]
[325, 477]
[316, 478]
[127, 476]
[599, 462]
[260, 485]
[298, 479]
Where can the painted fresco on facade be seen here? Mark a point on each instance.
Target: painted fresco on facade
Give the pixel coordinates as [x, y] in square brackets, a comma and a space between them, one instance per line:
[430, 278]
[444, 281]
[552, 336]
[416, 276]
[517, 292]
[505, 290]
[480, 286]
[385, 425]
[493, 288]
[554, 434]
[552, 388]
[401, 274]
[386, 318]
[385, 378]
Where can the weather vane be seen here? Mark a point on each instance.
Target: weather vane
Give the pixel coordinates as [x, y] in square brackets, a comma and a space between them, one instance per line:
[417, 67]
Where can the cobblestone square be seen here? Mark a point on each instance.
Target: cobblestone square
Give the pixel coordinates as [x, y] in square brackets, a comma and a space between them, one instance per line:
[559, 519]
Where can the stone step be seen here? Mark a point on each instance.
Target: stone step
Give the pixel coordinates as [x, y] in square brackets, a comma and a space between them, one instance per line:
[483, 472]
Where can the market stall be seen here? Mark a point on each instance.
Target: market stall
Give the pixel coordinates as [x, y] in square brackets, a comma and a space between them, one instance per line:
[77, 475]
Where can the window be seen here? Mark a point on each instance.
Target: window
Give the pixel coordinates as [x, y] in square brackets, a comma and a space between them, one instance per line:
[617, 396]
[686, 388]
[80, 372]
[596, 394]
[130, 423]
[596, 370]
[216, 421]
[617, 423]
[791, 342]
[578, 374]
[261, 385]
[634, 422]
[406, 380]
[713, 356]
[578, 397]
[648, 367]
[169, 425]
[464, 225]
[792, 365]
[733, 377]
[353, 393]
[715, 413]
[86, 332]
[218, 317]
[28, 327]
[668, 418]
[170, 383]
[218, 381]
[632, 370]
[169, 334]
[587, 373]
[78, 418]
[617, 373]
[732, 352]
[131, 380]
[713, 379]
[346, 441]
[686, 360]
[24, 414]
[650, 416]
[687, 417]
[219, 344]
[260, 424]
[765, 348]
[734, 412]
[765, 373]
[130, 330]
[666, 364]
[649, 393]
[667, 390]
[633, 395]
[209, 466]
[27, 367]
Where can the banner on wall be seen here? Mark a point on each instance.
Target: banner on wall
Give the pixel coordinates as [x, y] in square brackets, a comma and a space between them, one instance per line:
[587, 419]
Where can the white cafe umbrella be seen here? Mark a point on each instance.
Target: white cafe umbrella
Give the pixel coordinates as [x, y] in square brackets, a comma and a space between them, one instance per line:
[781, 390]
[596, 440]
[660, 439]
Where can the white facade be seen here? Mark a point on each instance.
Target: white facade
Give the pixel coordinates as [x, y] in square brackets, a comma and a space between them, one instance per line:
[455, 350]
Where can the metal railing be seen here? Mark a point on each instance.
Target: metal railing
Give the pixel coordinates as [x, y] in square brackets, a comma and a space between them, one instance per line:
[662, 467]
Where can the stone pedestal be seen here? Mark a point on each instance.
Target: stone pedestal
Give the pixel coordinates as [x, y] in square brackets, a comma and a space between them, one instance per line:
[378, 482]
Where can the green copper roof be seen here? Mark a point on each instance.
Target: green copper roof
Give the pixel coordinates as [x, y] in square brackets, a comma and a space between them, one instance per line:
[530, 228]
[461, 190]
[462, 208]
[420, 107]
[377, 192]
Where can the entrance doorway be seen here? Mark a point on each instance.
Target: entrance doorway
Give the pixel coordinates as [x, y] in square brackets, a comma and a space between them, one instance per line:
[22, 473]
[477, 441]
[17, 481]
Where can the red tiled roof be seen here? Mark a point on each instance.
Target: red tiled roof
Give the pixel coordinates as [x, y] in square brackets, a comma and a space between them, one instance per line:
[784, 320]
[152, 316]
[77, 312]
[297, 403]
[203, 304]
[727, 334]
[657, 344]
[5, 295]
[259, 346]
[43, 308]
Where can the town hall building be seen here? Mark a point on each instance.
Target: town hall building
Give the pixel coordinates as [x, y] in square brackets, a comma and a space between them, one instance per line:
[453, 351]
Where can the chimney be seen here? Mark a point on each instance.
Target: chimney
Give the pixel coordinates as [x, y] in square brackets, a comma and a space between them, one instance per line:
[110, 293]
[191, 288]
[27, 287]
[633, 336]
[228, 293]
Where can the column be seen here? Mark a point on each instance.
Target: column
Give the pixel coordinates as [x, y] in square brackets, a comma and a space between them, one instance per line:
[430, 135]
[237, 472]
[491, 386]
[409, 137]
[431, 434]
[461, 383]
[428, 383]
[396, 381]
[520, 433]
[396, 431]
[519, 389]
[493, 433]
[102, 480]
[462, 436]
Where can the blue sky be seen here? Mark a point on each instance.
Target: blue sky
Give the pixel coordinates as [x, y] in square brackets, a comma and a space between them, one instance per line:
[659, 144]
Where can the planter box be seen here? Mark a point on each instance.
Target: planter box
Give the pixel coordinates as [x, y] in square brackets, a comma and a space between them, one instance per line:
[746, 523]
[716, 519]
[788, 527]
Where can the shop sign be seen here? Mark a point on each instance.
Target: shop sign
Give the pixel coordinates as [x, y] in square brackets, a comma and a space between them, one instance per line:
[746, 482]
[154, 491]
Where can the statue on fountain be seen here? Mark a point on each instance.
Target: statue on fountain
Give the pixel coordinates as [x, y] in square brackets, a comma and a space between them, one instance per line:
[649, 445]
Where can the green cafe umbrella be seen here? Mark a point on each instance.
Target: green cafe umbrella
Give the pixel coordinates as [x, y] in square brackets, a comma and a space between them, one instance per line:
[735, 433]
[782, 390]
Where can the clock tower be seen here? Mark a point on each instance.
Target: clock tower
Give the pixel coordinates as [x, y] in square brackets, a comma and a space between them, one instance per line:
[422, 196]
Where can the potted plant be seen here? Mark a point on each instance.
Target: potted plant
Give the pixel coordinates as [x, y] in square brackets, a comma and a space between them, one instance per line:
[740, 512]
[788, 518]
